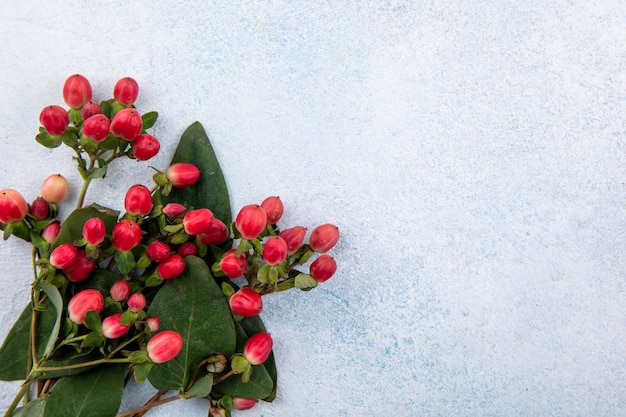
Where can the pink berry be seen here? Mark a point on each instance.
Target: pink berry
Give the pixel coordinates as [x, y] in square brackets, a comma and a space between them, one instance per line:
[127, 124]
[138, 201]
[241, 404]
[323, 268]
[39, 209]
[126, 235]
[54, 119]
[120, 290]
[273, 206]
[13, 207]
[174, 209]
[217, 233]
[81, 268]
[324, 237]
[94, 231]
[97, 127]
[136, 302]
[158, 251]
[250, 221]
[164, 346]
[232, 265]
[76, 91]
[187, 249]
[294, 238]
[171, 267]
[182, 174]
[246, 302]
[197, 221]
[275, 250]
[63, 256]
[90, 109]
[258, 348]
[154, 323]
[145, 146]
[126, 91]
[51, 231]
[113, 328]
[54, 189]
[82, 302]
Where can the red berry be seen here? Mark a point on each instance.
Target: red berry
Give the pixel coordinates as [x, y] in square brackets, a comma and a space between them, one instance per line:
[174, 209]
[324, 237]
[81, 268]
[127, 124]
[246, 302]
[158, 251]
[241, 404]
[138, 201]
[232, 265]
[97, 127]
[51, 231]
[82, 302]
[250, 221]
[323, 268]
[274, 209]
[76, 91]
[126, 91]
[126, 235]
[198, 221]
[187, 249]
[39, 209]
[94, 231]
[136, 302]
[63, 256]
[90, 109]
[182, 174]
[113, 328]
[145, 146]
[171, 267]
[13, 207]
[164, 346]
[54, 119]
[120, 290]
[217, 234]
[275, 250]
[54, 189]
[258, 348]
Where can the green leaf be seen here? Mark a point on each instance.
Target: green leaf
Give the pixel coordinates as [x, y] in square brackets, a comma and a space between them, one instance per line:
[72, 228]
[210, 191]
[96, 393]
[69, 138]
[47, 140]
[100, 279]
[201, 388]
[34, 408]
[305, 282]
[149, 119]
[55, 298]
[193, 305]
[252, 325]
[125, 261]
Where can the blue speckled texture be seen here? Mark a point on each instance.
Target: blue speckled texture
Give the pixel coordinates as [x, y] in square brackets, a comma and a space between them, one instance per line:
[472, 154]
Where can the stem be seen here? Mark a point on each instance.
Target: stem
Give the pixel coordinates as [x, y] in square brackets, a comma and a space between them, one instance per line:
[86, 182]
[16, 400]
[223, 377]
[82, 364]
[120, 347]
[156, 397]
[149, 406]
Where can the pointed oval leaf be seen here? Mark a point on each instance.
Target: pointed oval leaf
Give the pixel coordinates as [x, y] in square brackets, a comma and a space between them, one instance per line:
[34, 408]
[194, 306]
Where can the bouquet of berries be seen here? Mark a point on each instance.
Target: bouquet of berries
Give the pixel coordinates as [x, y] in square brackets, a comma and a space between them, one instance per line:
[168, 291]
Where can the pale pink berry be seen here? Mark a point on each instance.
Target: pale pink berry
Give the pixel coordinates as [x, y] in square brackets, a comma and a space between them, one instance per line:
[197, 221]
[127, 124]
[97, 127]
[76, 91]
[232, 265]
[54, 119]
[324, 237]
[82, 302]
[273, 206]
[258, 348]
[158, 251]
[246, 302]
[164, 346]
[126, 235]
[174, 209]
[171, 267]
[13, 207]
[217, 233]
[81, 268]
[323, 268]
[63, 256]
[187, 249]
[120, 290]
[275, 250]
[94, 231]
[113, 328]
[138, 201]
[182, 174]
[51, 231]
[90, 109]
[250, 221]
[154, 323]
[136, 302]
[126, 91]
[145, 147]
[54, 188]
[242, 404]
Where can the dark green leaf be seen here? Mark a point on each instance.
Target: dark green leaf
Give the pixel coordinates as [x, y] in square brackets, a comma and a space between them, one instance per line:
[201, 388]
[92, 320]
[48, 141]
[34, 408]
[96, 393]
[72, 228]
[100, 279]
[210, 191]
[252, 325]
[149, 119]
[125, 261]
[193, 305]
[69, 138]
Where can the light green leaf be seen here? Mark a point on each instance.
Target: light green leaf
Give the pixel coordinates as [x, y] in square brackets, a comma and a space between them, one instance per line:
[149, 119]
[55, 298]
[34, 408]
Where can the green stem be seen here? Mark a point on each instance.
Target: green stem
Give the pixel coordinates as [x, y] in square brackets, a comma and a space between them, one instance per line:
[81, 365]
[24, 389]
[86, 182]
[223, 377]
[123, 345]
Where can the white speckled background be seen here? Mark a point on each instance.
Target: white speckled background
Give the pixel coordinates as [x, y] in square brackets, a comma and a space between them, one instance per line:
[472, 154]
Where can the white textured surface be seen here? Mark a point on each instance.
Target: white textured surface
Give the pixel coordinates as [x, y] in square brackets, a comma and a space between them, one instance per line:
[472, 154]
